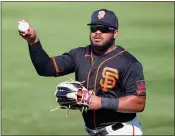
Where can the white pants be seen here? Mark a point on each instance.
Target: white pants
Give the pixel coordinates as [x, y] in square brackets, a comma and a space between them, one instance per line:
[132, 127]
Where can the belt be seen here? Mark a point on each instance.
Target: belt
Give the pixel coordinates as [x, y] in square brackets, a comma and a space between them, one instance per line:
[103, 131]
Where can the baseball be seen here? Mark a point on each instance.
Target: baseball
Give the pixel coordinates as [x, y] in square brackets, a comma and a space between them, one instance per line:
[23, 26]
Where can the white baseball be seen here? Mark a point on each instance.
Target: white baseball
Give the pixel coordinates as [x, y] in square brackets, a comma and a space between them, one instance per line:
[23, 26]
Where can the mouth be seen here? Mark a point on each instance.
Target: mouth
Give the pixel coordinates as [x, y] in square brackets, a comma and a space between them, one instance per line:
[97, 39]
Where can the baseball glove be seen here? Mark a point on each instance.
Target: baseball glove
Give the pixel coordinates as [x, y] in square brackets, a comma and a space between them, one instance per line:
[72, 95]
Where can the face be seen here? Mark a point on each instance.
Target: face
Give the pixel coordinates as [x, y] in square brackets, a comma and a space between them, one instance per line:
[101, 35]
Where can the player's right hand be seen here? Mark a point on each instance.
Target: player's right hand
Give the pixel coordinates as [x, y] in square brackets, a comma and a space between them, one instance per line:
[30, 35]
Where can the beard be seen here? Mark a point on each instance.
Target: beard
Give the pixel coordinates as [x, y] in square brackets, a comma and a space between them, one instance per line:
[96, 48]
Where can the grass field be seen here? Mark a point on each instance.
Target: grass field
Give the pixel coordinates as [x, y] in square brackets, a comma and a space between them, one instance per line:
[146, 30]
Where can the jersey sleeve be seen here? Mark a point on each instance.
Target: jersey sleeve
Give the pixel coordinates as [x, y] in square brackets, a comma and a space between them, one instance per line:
[65, 63]
[133, 80]
[52, 66]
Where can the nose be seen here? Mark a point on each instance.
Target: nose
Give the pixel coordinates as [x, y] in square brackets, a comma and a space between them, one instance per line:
[98, 32]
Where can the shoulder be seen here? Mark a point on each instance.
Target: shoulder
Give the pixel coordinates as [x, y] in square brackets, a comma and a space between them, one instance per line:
[129, 64]
[128, 61]
[80, 51]
[128, 57]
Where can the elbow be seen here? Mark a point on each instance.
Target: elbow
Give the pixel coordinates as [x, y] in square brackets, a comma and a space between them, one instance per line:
[141, 107]
[44, 73]
[45, 69]
[41, 74]
[141, 104]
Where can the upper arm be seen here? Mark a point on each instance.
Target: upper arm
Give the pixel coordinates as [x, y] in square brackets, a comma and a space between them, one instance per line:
[133, 80]
[65, 63]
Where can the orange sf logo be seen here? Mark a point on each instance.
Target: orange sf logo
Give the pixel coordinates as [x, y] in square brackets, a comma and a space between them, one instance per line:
[109, 80]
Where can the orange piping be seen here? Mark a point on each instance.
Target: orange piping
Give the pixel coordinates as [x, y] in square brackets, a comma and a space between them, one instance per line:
[55, 65]
[96, 79]
[92, 61]
[101, 65]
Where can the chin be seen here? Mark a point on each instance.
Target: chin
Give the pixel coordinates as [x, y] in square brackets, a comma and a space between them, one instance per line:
[97, 44]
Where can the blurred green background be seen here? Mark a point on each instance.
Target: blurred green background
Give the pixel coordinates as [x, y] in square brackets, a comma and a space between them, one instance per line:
[146, 30]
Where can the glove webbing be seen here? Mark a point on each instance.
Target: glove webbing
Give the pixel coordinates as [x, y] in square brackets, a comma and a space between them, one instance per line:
[68, 108]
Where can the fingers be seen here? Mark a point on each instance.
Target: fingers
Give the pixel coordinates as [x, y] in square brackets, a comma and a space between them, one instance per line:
[25, 20]
[24, 25]
[29, 33]
[95, 103]
[24, 34]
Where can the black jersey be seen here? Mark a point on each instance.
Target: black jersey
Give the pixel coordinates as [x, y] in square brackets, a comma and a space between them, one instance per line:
[112, 75]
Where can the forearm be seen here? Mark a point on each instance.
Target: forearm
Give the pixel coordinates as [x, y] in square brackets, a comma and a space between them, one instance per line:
[41, 61]
[126, 104]
[131, 104]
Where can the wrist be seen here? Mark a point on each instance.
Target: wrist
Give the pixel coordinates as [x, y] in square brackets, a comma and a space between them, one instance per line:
[109, 103]
[35, 46]
[33, 41]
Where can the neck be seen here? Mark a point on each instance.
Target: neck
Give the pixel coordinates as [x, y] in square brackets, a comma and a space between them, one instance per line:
[106, 51]
[113, 47]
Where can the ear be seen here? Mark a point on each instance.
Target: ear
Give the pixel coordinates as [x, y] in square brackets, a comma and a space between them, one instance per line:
[116, 33]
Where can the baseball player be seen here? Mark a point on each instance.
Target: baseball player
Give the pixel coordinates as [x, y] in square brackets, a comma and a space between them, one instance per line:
[111, 72]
